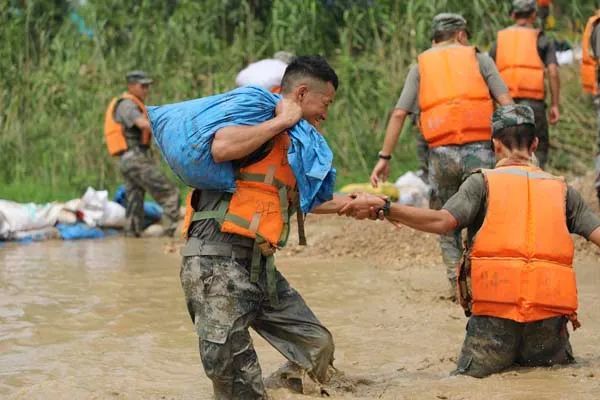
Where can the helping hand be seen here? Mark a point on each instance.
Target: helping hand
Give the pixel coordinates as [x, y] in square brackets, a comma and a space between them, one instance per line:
[363, 205]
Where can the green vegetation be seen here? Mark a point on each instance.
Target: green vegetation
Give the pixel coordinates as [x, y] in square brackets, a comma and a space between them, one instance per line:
[56, 80]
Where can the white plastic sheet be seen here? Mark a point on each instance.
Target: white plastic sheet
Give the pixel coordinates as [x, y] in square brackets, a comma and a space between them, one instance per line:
[412, 190]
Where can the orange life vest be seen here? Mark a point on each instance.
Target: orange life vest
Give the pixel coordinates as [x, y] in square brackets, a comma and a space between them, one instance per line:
[260, 206]
[519, 62]
[544, 3]
[114, 132]
[589, 61]
[521, 260]
[455, 102]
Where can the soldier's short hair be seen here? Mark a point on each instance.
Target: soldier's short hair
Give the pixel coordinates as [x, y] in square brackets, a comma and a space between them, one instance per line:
[315, 67]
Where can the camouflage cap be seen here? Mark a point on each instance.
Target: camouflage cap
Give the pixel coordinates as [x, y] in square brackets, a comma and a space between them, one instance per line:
[447, 22]
[523, 5]
[138, 77]
[512, 115]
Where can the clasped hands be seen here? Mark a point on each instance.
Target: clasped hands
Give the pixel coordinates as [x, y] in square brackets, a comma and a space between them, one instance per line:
[363, 205]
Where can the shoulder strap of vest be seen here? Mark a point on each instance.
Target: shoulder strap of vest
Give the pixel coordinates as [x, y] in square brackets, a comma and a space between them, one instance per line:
[137, 101]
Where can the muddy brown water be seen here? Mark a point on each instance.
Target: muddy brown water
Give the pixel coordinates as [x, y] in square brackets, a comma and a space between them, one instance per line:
[106, 319]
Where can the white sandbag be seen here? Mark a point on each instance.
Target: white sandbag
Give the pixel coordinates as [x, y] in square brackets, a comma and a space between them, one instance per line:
[97, 210]
[264, 73]
[565, 57]
[17, 217]
[413, 191]
[114, 216]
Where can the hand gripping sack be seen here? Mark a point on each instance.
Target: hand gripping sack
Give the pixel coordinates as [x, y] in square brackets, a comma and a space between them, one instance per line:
[184, 132]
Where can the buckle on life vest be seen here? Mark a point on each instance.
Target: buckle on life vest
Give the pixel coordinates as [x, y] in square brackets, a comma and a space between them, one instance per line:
[574, 321]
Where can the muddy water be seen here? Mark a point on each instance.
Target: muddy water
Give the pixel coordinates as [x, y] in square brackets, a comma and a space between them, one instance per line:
[106, 320]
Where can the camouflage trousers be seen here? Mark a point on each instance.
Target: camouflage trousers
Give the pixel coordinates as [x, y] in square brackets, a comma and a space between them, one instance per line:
[541, 128]
[422, 154]
[449, 166]
[223, 303]
[597, 106]
[493, 344]
[142, 174]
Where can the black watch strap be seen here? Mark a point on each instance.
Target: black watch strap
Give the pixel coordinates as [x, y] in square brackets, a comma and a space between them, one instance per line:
[387, 206]
[384, 157]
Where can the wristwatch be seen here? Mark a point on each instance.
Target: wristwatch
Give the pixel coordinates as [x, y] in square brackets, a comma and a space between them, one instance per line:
[384, 157]
[386, 207]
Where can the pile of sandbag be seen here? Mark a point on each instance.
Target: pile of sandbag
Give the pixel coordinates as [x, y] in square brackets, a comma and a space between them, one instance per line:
[75, 219]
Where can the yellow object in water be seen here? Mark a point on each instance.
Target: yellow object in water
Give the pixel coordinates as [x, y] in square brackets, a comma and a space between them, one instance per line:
[387, 189]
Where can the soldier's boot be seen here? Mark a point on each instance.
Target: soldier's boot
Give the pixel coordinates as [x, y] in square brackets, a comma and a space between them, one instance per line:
[296, 379]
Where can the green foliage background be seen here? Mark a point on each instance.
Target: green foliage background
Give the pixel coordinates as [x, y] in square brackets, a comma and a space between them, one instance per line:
[56, 80]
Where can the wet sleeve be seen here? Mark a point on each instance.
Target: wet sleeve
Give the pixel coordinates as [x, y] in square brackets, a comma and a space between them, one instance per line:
[580, 218]
[491, 75]
[409, 98]
[127, 112]
[466, 204]
[547, 50]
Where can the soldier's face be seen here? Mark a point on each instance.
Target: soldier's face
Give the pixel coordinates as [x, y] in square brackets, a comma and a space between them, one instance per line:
[140, 90]
[314, 99]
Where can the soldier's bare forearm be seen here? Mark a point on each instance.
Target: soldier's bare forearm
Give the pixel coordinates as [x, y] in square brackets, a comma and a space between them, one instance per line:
[393, 130]
[332, 206]
[554, 79]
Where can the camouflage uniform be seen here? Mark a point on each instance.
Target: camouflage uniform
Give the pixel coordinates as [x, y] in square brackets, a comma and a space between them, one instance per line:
[142, 174]
[449, 166]
[493, 344]
[546, 50]
[223, 303]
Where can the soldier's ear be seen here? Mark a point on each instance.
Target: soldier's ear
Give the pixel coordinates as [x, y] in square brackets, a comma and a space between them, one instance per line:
[534, 145]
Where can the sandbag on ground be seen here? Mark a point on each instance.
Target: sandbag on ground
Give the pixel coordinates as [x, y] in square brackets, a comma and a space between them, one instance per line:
[17, 217]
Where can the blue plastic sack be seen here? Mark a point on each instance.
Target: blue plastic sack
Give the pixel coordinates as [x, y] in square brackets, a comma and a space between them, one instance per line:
[184, 132]
[79, 231]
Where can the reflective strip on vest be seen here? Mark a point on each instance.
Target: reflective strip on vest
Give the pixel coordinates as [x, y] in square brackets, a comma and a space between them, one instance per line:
[589, 63]
[522, 257]
[114, 132]
[519, 62]
[259, 207]
[455, 102]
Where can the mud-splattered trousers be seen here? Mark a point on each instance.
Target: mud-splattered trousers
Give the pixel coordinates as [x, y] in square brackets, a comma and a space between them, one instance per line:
[449, 166]
[541, 128]
[597, 184]
[223, 303]
[493, 344]
[142, 174]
